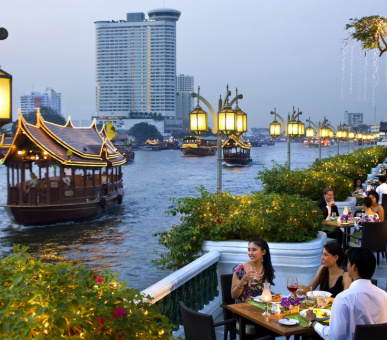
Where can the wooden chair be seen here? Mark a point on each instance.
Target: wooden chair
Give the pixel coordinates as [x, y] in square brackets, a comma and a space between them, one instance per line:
[199, 325]
[374, 332]
[250, 330]
[374, 237]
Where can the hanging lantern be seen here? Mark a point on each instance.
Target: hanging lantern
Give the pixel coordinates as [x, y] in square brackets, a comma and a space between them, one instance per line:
[301, 129]
[351, 135]
[198, 120]
[359, 135]
[309, 132]
[293, 128]
[227, 121]
[5, 98]
[324, 132]
[275, 129]
[331, 134]
[241, 121]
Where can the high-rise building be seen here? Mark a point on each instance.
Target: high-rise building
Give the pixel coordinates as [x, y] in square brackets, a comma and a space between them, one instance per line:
[136, 64]
[50, 98]
[184, 101]
[353, 119]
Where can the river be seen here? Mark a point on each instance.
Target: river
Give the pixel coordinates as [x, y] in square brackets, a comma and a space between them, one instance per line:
[122, 239]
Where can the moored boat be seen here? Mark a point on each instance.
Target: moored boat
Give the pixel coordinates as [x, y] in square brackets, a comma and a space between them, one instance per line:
[60, 173]
[124, 146]
[314, 142]
[152, 145]
[199, 146]
[236, 151]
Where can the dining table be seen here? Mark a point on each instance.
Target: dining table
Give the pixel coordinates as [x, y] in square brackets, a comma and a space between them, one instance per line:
[336, 224]
[247, 311]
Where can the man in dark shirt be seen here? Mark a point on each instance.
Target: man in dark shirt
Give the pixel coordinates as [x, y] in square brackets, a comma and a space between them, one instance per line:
[328, 206]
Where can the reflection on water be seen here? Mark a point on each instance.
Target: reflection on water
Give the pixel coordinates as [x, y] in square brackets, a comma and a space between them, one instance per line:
[122, 239]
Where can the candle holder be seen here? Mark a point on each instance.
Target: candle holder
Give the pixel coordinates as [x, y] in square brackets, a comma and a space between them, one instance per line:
[266, 297]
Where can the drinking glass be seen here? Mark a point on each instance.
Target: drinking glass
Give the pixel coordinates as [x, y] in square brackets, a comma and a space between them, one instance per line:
[292, 284]
[321, 302]
[310, 302]
[299, 292]
[349, 211]
[334, 215]
[253, 281]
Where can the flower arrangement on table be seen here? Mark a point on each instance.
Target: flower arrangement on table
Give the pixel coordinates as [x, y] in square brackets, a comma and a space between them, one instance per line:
[291, 304]
[347, 218]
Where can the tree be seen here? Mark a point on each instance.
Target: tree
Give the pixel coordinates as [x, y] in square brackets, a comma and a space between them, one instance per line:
[370, 31]
[48, 114]
[144, 131]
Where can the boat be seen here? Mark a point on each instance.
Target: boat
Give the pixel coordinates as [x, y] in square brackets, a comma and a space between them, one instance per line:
[270, 142]
[236, 151]
[152, 145]
[124, 146]
[58, 173]
[199, 146]
[255, 143]
[314, 142]
[5, 143]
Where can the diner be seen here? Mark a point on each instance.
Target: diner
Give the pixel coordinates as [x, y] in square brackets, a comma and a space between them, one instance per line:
[361, 304]
[249, 277]
[357, 185]
[376, 207]
[330, 276]
[381, 188]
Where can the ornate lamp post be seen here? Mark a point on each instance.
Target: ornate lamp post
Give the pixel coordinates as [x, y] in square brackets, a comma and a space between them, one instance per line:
[322, 132]
[293, 128]
[228, 121]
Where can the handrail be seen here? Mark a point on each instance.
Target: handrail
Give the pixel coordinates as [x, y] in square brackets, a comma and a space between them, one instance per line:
[173, 281]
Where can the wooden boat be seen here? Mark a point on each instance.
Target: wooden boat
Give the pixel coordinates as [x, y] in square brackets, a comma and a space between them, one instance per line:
[152, 145]
[199, 146]
[313, 142]
[236, 151]
[124, 146]
[60, 173]
[5, 143]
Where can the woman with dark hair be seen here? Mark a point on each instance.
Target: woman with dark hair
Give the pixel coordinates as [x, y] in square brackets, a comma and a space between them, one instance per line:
[248, 277]
[330, 276]
[376, 207]
[357, 185]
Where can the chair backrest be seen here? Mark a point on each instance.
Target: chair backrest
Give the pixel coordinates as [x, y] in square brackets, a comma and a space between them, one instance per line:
[374, 332]
[384, 201]
[225, 285]
[374, 236]
[197, 325]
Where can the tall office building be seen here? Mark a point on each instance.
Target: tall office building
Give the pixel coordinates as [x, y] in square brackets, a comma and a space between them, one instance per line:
[184, 101]
[136, 64]
[353, 119]
[50, 98]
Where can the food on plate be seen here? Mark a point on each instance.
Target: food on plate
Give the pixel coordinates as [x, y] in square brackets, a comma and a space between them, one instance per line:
[276, 298]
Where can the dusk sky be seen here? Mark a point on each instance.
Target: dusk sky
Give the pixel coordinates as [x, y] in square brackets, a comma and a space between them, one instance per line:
[278, 53]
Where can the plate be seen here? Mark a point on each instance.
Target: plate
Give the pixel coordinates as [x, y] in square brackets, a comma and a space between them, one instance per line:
[288, 322]
[344, 223]
[319, 293]
[320, 313]
[258, 299]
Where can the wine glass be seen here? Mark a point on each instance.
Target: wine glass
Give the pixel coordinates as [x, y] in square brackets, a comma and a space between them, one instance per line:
[349, 211]
[334, 215]
[321, 302]
[310, 302]
[253, 281]
[292, 284]
[299, 292]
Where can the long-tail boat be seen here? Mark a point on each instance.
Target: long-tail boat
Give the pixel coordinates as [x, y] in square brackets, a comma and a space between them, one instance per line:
[236, 151]
[61, 173]
[199, 146]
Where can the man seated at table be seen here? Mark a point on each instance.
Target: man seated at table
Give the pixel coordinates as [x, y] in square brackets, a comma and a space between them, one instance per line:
[382, 188]
[328, 207]
[361, 304]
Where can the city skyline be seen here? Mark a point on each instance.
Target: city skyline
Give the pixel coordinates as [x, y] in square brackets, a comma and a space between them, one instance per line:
[277, 54]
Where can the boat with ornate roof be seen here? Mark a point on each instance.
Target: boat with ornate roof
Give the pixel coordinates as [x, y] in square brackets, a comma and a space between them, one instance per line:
[236, 152]
[199, 146]
[61, 173]
[123, 143]
[5, 143]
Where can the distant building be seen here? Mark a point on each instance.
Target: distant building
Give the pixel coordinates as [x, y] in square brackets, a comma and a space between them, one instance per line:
[353, 119]
[50, 98]
[136, 64]
[184, 101]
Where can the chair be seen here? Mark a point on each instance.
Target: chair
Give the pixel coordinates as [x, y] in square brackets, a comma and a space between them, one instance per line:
[374, 237]
[384, 204]
[374, 332]
[250, 330]
[199, 325]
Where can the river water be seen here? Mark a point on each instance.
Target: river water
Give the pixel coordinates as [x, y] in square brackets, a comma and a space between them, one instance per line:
[122, 239]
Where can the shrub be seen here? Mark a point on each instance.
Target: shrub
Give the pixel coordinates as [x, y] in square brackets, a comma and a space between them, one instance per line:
[63, 301]
[305, 183]
[221, 217]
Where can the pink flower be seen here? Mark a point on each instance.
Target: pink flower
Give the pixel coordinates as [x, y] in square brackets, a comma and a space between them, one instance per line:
[119, 312]
[99, 279]
[94, 276]
[101, 320]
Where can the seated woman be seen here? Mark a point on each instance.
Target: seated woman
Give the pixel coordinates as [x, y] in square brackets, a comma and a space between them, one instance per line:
[248, 277]
[358, 185]
[376, 207]
[330, 277]
[367, 216]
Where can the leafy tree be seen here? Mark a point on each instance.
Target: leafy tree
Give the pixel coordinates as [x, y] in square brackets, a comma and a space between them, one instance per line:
[370, 31]
[143, 131]
[48, 114]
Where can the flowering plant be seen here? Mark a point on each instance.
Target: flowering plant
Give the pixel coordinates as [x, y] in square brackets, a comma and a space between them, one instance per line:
[347, 217]
[290, 302]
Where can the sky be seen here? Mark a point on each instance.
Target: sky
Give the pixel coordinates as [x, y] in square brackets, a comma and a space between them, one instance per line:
[278, 53]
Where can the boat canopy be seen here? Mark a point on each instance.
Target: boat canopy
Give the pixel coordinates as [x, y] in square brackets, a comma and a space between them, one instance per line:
[235, 141]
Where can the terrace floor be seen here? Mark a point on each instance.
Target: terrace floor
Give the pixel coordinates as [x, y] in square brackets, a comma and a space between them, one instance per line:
[380, 275]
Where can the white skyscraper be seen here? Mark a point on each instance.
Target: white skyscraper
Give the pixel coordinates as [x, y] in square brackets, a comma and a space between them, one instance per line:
[136, 64]
[51, 99]
[184, 101]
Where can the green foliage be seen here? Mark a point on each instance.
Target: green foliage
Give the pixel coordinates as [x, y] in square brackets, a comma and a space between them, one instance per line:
[370, 31]
[222, 217]
[305, 183]
[144, 131]
[64, 301]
